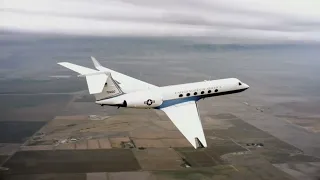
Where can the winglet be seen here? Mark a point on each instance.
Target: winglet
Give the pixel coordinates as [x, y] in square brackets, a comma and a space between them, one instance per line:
[199, 143]
[189, 124]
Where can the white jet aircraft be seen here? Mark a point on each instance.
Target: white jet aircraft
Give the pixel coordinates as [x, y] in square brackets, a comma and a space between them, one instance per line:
[177, 101]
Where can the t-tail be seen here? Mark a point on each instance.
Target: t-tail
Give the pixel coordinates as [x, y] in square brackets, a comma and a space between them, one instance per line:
[100, 82]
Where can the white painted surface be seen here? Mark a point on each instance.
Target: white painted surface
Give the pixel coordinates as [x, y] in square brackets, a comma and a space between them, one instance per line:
[177, 101]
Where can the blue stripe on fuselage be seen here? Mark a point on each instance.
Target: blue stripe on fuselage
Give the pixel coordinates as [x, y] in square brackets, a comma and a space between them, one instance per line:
[172, 102]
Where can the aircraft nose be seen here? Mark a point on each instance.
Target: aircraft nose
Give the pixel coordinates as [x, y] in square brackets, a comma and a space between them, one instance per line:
[246, 86]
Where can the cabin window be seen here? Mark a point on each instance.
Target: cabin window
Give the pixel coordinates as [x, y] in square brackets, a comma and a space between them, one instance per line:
[216, 90]
[181, 95]
[195, 93]
[202, 92]
[209, 91]
[188, 94]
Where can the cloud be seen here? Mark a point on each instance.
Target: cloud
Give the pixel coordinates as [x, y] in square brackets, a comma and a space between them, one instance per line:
[284, 20]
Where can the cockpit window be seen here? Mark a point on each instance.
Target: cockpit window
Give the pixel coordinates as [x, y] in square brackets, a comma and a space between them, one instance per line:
[240, 84]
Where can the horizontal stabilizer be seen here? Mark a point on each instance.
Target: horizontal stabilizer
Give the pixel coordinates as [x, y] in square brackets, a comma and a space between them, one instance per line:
[96, 73]
[95, 79]
[77, 68]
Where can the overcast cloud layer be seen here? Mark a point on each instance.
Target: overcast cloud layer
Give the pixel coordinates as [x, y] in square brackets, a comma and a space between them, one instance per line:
[283, 20]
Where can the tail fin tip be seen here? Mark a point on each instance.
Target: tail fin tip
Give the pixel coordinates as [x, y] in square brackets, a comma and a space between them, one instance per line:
[96, 62]
[61, 63]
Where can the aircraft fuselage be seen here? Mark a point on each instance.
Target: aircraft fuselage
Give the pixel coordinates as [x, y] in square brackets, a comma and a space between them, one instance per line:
[160, 97]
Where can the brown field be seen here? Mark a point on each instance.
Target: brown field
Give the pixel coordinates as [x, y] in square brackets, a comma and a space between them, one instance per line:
[131, 175]
[8, 148]
[159, 146]
[62, 176]
[82, 145]
[153, 132]
[182, 142]
[104, 143]
[309, 124]
[158, 159]
[149, 143]
[116, 142]
[68, 146]
[199, 158]
[72, 161]
[97, 176]
[3, 158]
[37, 148]
[93, 144]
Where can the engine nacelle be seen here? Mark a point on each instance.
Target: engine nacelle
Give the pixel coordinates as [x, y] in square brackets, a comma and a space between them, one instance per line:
[142, 99]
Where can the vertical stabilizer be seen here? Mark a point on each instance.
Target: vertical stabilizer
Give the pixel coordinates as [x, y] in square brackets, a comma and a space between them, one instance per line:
[96, 83]
[111, 89]
[97, 64]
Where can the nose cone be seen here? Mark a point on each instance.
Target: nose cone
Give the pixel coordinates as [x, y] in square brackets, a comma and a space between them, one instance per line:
[246, 86]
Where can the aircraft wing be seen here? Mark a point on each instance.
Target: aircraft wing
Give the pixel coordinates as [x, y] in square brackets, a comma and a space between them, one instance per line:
[186, 118]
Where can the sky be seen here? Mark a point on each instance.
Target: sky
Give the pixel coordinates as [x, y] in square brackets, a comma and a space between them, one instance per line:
[272, 20]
